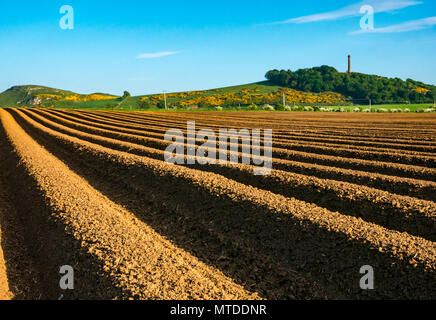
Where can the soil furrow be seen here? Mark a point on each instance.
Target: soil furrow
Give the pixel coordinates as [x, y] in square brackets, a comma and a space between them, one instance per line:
[395, 212]
[313, 239]
[387, 168]
[403, 186]
[288, 135]
[114, 254]
[279, 140]
[414, 158]
[405, 127]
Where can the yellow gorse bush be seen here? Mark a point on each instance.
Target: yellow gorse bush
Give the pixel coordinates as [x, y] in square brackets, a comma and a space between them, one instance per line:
[247, 97]
[421, 90]
[75, 97]
[49, 96]
[88, 97]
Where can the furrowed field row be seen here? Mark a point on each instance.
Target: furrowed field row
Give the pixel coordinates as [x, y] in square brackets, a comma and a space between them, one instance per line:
[254, 269]
[417, 217]
[285, 148]
[289, 131]
[305, 118]
[256, 217]
[283, 124]
[331, 118]
[404, 186]
[115, 254]
[365, 165]
[374, 146]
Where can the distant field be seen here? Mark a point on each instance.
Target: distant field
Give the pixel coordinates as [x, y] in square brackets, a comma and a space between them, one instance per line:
[128, 107]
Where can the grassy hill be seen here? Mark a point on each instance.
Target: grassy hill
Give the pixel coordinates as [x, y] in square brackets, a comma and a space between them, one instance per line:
[355, 85]
[314, 89]
[27, 96]
[264, 87]
[34, 95]
[23, 95]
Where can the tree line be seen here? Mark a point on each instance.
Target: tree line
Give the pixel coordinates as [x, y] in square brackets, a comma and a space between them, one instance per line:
[356, 86]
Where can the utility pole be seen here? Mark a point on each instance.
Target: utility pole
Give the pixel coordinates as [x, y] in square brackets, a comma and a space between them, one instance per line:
[165, 99]
[370, 105]
[434, 98]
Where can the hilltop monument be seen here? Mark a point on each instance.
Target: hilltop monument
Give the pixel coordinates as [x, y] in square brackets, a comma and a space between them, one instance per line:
[349, 63]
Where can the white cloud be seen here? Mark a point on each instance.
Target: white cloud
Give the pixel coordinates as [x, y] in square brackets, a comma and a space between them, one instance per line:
[156, 54]
[403, 27]
[354, 10]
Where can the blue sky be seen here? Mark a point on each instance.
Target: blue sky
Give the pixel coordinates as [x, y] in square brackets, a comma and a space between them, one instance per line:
[150, 46]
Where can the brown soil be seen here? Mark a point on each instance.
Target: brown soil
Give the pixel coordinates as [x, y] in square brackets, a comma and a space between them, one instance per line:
[95, 194]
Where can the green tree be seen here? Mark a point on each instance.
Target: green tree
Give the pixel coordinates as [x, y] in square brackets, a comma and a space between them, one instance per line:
[357, 85]
[280, 107]
[126, 95]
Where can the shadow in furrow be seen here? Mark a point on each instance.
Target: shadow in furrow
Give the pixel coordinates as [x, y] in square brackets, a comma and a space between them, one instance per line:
[276, 255]
[48, 243]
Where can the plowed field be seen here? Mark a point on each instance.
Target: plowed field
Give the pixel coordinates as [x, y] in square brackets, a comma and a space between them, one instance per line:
[91, 189]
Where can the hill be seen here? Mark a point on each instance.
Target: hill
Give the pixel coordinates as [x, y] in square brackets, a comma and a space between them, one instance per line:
[319, 86]
[21, 95]
[34, 95]
[258, 93]
[49, 97]
[355, 86]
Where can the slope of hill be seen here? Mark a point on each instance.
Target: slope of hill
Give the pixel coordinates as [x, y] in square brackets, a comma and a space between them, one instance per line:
[263, 87]
[44, 96]
[354, 85]
[319, 86]
[259, 93]
[23, 95]
[33, 95]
